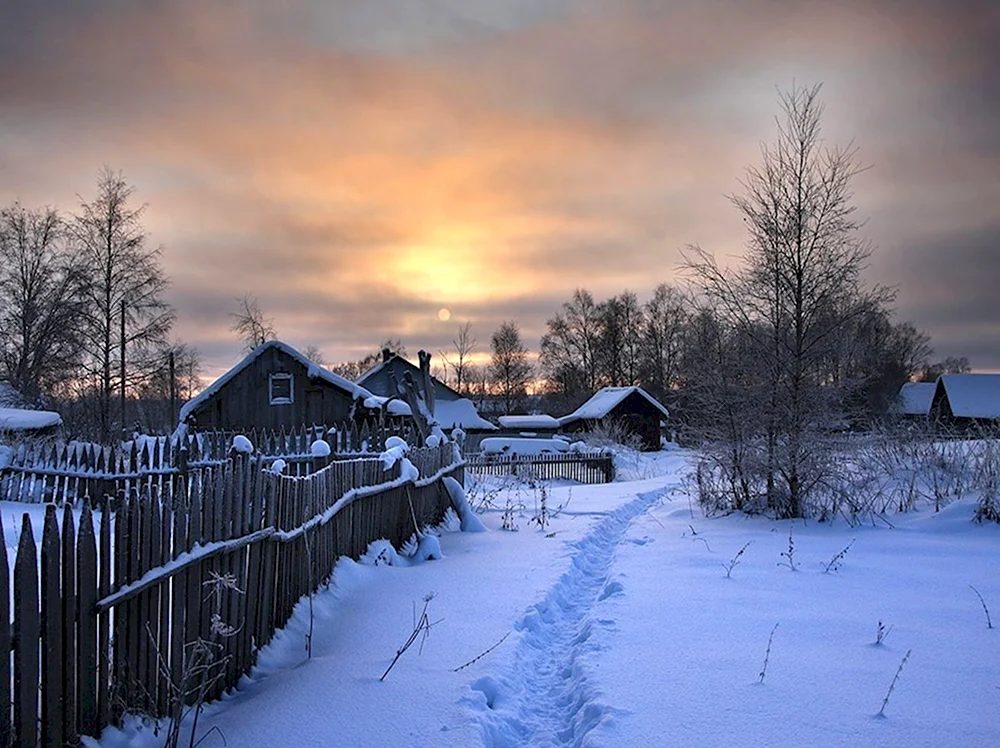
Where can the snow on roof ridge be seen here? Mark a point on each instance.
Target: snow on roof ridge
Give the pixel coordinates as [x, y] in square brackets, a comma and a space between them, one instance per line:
[315, 371]
[605, 400]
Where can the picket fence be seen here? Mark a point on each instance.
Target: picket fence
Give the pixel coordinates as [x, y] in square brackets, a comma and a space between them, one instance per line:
[168, 601]
[56, 472]
[578, 467]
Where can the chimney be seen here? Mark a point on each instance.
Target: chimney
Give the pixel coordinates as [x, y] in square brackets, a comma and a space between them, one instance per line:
[386, 355]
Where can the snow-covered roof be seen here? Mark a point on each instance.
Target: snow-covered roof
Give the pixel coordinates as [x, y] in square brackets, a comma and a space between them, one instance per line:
[972, 395]
[914, 398]
[19, 419]
[528, 423]
[461, 412]
[449, 413]
[605, 400]
[315, 372]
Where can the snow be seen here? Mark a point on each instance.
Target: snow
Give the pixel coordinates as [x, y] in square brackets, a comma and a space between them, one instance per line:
[522, 446]
[314, 372]
[432, 441]
[615, 625]
[914, 398]
[605, 400]
[972, 395]
[320, 448]
[242, 445]
[393, 406]
[469, 520]
[19, 419]
[278, 466]
[6, 456]
[528, 423]
[460, 413]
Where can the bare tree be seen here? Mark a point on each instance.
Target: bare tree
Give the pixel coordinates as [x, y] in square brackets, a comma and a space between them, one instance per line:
[799, 283]
[250, 324]
[314, 354]
[126, 319]
[459, 361]
[41, 292]
[354, 370]
[619, 340]
[510, 368]
[666, 319]
[568, 349]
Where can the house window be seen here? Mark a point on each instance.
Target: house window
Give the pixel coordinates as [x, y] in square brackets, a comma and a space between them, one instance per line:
[281, 389]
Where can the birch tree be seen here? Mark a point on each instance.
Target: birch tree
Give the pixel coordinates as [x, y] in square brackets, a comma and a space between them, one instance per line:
[126, 318]
[797, 288]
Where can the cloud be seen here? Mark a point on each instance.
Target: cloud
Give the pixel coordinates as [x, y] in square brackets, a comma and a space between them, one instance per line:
[358, 165]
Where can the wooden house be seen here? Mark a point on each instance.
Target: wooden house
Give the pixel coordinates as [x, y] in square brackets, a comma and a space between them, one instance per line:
[635, 410]
[274, 387]
[967, 401]
[451, 410]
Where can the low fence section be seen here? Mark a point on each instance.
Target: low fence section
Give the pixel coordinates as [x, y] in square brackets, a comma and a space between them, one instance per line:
[167, 600]
[583, 468]
[58, 472]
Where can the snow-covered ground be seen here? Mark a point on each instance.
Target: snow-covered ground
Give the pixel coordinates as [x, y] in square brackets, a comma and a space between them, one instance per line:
[623, 629]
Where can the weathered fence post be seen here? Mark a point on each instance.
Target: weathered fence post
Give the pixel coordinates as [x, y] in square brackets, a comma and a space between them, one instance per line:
[26, 675]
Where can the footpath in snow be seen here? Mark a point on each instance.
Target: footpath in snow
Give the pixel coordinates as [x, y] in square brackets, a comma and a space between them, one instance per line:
[545, 695]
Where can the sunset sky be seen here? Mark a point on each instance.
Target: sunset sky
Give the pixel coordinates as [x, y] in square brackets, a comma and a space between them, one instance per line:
[359, 165]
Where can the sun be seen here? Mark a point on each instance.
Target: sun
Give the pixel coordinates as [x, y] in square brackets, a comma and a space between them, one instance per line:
[444, 314]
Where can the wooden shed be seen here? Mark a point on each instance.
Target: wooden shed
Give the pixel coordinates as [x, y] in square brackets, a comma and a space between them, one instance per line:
[632, 407]
[274, 387]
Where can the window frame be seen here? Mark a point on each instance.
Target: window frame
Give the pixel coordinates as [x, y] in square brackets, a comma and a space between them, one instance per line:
[280, 399]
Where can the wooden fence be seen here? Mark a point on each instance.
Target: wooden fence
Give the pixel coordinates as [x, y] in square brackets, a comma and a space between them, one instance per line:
[579, 467]
[171, 596]
[57, 472]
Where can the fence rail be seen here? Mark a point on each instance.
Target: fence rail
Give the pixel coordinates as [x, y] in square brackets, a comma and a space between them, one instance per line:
[579, 467]
[168, 599]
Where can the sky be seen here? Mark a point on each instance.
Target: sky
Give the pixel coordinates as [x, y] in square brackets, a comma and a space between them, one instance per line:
[361, 165]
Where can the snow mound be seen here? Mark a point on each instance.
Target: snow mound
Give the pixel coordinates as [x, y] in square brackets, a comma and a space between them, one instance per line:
[320, 448]
[432, 441]
[242, 445]
[395, 450]
[469, 521]
[278, 466]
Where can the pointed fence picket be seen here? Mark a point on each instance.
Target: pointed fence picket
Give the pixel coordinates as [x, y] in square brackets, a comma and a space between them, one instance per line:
[212, 568]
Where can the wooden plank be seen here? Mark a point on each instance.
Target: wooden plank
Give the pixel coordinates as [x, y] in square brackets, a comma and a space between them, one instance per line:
[69, 633]
[26, 634]
[51, 633]
[86, 654]
[6, 726]
[106, 563]
[151, 629]
[162, 661]
[178, 590]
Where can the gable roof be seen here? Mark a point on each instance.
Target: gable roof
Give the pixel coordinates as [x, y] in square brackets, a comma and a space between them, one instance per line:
[971, 395]
[605, 400]
[448, 413]
[315, 372]
[409, 366]
[915, 398]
